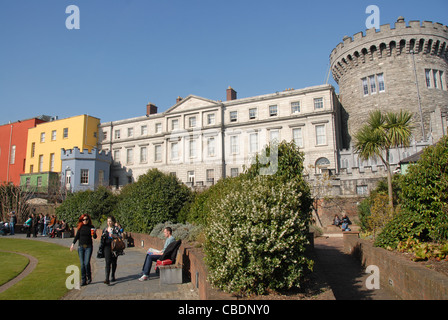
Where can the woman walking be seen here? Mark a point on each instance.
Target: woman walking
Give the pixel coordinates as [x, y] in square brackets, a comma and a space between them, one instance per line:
[84, 234]
[111, 232]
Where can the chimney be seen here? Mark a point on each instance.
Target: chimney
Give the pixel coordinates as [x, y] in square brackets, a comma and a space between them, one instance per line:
[231, 94]
[151, 109]
[179, 99]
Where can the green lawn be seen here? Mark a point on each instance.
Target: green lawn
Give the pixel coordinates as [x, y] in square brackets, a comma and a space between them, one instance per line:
[47, 281]
[12, 264]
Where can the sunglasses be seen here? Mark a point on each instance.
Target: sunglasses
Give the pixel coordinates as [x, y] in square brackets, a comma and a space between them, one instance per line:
[85, 219]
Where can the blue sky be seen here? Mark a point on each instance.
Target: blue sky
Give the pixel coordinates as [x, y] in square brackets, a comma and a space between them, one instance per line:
[131, 52]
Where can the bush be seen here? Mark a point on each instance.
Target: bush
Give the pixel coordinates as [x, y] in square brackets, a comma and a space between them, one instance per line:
[423, 199]
[155, 198]
[98, 204]
[181, 231]
[256, 236]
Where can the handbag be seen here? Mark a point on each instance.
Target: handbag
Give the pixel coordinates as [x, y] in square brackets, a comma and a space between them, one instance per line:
[117, 244]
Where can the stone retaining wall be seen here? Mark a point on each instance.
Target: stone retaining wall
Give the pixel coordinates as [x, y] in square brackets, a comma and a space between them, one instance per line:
[409, 280]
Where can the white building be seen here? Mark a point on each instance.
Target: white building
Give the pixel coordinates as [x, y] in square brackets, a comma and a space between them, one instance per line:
[202, 140]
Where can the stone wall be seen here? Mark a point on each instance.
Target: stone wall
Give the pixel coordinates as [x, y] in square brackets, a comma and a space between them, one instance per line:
[407, 279]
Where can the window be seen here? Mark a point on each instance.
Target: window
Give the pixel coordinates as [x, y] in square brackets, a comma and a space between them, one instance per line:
[117, 134]
[42, 137]
[234, 172]
[253, 142]
[441, 79]
[295, 107]
[297, 136]
[192, 148]
[12, 159]
[143, 154]
[33, 149]
[211, 119]
[192, 122]
[174, 124]
[84, 176]
[65, 133]
[39, 182]
[361, 190]
[53, 135]
[318, 103]
[428, 78]
[190, 176]
[435, 74]
[31, 168]
[117, 156]
[158, 128]
[320, 135]
[158, 152]
[144, 130]
[365, 86]
[274, 135]
[130, 132]
[233, 116]
[41, 163]
[101, 177]
[129, 156]
[52, 162]
[211, 147]
[372, 84]
[210, 175]
[28, 183]
[104, 135]
[174, 151]
[273, 111]
[381, 86]
[322, 164]
[234, 147]
[253, 113]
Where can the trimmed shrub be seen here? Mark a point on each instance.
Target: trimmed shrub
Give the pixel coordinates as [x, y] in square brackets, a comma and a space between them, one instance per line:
[256, 235]
[155, 198]
[98, 204]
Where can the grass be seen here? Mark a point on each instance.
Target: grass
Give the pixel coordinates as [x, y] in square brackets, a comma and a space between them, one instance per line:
[47, 281]
[12, 264]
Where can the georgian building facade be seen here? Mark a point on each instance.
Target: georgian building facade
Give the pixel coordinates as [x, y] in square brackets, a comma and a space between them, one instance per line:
[201, 140]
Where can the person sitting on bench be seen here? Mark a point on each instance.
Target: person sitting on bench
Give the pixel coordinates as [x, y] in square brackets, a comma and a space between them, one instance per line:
[154, 255]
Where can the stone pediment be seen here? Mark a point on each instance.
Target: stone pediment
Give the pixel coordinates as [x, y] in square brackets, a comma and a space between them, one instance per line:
[191, 103]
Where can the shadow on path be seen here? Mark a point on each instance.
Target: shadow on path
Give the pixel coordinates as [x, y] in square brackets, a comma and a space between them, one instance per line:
[343, 273]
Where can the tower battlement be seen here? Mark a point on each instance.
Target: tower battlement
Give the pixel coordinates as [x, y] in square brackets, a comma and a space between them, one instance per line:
[418, 37]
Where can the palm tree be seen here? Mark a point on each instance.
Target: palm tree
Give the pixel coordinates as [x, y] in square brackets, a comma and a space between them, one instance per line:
[380, 134]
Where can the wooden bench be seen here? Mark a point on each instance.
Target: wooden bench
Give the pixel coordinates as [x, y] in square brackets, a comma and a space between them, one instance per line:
[172, 273]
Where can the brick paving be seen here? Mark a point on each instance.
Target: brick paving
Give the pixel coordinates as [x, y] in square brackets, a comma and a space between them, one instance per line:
[127, 286]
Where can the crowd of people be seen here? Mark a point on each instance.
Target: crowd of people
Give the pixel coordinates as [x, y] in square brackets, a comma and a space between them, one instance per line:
[44, 225]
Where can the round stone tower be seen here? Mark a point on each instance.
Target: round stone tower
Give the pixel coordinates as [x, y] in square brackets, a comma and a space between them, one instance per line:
[393, 69]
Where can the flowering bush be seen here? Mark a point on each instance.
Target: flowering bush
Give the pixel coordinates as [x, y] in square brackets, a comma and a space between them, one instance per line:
[256, 236]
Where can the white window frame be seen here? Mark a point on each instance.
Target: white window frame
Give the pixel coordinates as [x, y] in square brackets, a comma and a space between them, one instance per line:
[321, 137]
[84, 177]
[295, 107]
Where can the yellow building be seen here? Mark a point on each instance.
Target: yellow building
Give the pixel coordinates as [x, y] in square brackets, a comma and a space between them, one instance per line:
[46, 140]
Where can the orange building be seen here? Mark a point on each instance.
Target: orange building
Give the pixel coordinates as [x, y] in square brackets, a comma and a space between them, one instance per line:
[13, 143]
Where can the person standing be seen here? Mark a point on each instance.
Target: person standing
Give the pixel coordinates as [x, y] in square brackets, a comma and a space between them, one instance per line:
[85, 233]
[111, 232]
[12, 222]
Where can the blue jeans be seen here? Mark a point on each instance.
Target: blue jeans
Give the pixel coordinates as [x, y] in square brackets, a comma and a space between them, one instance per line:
[85, 253]
[148, 262]
[11, 228]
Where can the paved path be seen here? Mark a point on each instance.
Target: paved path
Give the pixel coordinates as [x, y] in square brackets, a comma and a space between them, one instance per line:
[127, 286]
[343, 273]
